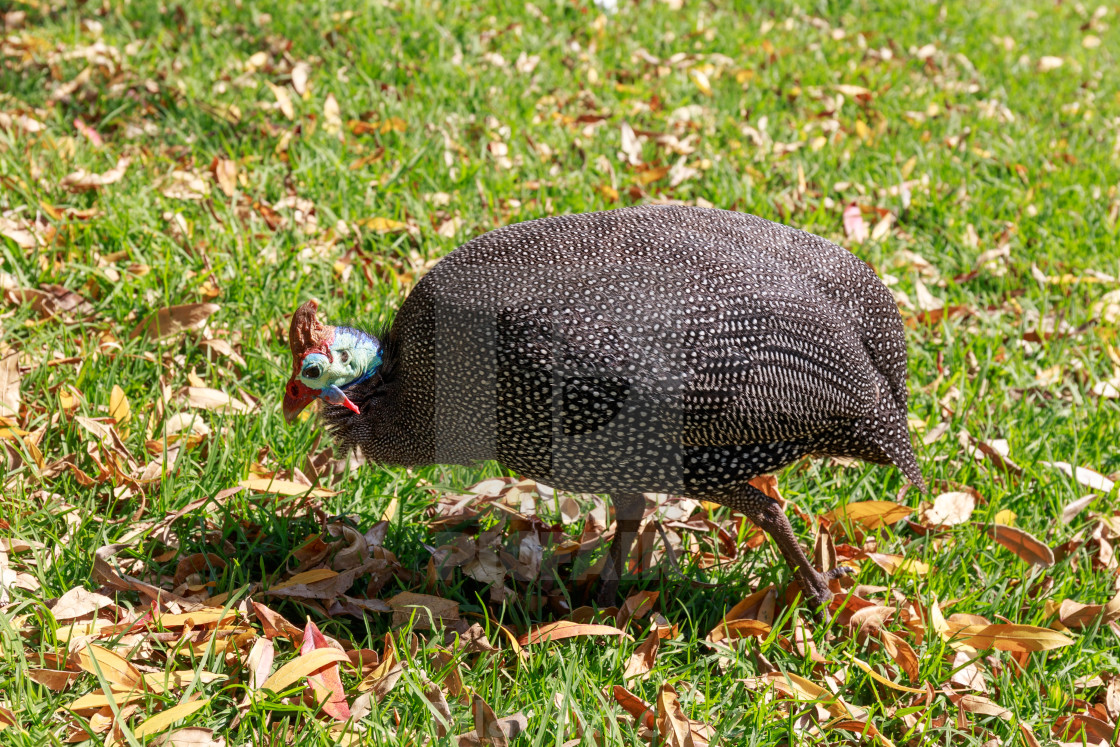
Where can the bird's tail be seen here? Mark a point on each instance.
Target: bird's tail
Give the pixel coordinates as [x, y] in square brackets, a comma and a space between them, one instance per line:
[889, 431]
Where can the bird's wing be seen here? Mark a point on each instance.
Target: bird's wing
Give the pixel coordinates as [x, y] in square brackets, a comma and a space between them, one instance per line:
[775, 372]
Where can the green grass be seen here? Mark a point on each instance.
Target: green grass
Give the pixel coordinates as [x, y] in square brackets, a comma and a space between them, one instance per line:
[995, 149]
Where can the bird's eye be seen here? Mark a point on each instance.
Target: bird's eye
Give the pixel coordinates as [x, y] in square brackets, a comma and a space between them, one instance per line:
[313, 371]
[344, 356]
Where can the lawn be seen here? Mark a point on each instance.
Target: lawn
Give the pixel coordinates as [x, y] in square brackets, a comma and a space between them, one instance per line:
[178, 564]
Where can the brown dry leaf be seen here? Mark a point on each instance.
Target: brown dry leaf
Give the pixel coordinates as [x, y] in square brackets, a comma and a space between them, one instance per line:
[283, 100]
[642, 660]
[635, 706]
[564, 629]
[78, 602]
[53, 679]
[425, 607]
[1008, 637]
[325, 684]
[672, 724]
[492, 730]
[225, 173]
[172, 320]
[9, 386]
[165, 719]
[636, 606]
[983, 706]
[733, 629]
[1076, 615]
[950, 509]
[1022, 544]
[83, 181]
[113, 667]
[184, 185]
[870, 514]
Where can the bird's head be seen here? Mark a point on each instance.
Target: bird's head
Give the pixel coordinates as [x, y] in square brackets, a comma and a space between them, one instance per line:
[326, 362]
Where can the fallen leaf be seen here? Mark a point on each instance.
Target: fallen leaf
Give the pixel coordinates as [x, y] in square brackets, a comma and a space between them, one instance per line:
[326, 683]
[870, 515]
[854, 226]
[672, 724]
[283, 100]
[635, 706]
[1009, 637]
[184, 185]
[1083, 475]
[283, 487]
[84, 181]
[172, 320]
[1076, 615]
[332, 115]
[425, 609]
[883, 680]
[9, 385]
[225, 172]
[79, 602]
[300, 667]
[564, 629]
[950, 509]
[164, 719]
[642, 660]
[112, 666]
[119, 409]
[1022, 544]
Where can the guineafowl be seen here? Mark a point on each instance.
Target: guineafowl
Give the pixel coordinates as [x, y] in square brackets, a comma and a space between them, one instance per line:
[659, 349]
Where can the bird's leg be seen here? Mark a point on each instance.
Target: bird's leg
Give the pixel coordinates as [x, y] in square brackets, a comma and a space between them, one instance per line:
[767, 514]
[628, 511]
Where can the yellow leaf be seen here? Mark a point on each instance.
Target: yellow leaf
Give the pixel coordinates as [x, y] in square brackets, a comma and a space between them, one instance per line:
[883, 680]
[1006, 517]
[98, 700]
[286, 675]
[119, 409]
[701, 81]
[161, 721]
[283, 99]
[113, 667]
[383, 225]
[307, 577]
[870, 514]
[283, 487]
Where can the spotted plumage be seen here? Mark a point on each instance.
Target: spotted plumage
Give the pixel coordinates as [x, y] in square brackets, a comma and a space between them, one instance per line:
[656, 348]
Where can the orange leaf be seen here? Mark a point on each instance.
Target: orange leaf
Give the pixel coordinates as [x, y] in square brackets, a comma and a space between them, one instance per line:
[1022, 544]
[563, 629]
[635, 706]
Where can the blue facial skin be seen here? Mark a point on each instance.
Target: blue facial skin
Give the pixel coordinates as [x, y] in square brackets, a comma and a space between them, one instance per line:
[356, 358]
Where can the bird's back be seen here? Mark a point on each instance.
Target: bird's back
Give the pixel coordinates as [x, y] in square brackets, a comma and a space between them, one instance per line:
[656, 348]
